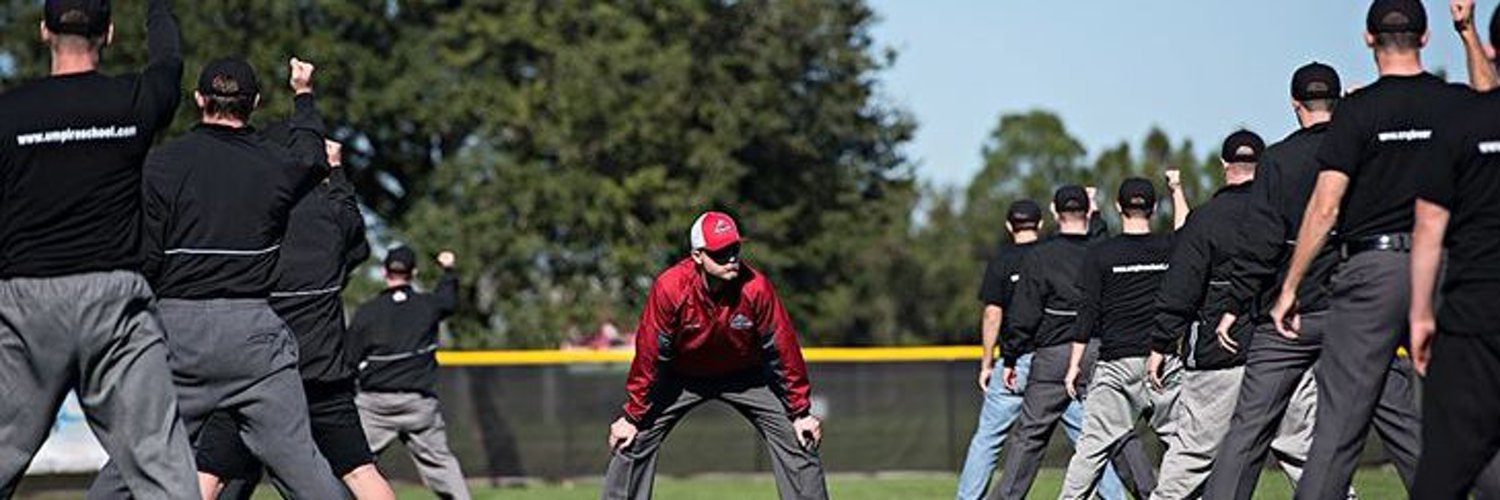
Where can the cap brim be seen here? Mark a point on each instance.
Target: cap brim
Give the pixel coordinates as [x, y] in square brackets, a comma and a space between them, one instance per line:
[721, 246]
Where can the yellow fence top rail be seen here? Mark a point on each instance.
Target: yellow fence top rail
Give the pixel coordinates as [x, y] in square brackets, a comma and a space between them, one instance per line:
[812, 354]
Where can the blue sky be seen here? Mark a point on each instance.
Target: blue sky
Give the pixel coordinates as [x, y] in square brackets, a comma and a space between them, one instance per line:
[1196, 68]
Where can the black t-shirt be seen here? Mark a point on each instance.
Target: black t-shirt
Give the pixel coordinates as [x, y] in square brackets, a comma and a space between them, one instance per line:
[1467, 182]
[215, 206]
[71, 151]
[1120, 279]
[1047, 297]
[1001, 276]
[393, 337]
[1284, 181]
[1382, 137]
[1195, 292]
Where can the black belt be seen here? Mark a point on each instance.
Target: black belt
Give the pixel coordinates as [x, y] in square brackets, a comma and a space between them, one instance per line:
[1394, 242]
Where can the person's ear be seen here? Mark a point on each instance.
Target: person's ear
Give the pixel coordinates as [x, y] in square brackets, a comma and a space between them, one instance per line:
[257, 102]
[44, 33]
[1369, 39]
[1424, 38]
[199, 98]
[697, 256]
[109, 35]
[1009, 228]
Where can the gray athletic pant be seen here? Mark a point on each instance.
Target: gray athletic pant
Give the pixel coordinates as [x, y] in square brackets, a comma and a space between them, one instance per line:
[1118, 396]
[1042, 406]
[93, 333]
[417, 419]
[1368, 312]
[1275, 410]
[798, 470]
[237, 356]
[1204, 407]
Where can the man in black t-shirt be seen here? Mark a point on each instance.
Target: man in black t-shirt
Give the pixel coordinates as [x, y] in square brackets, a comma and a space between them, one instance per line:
[75, 312]
[216, 204]
[1459, 347]
[1378, 146]
[1119, 281]
[394, 338]
[324, 243]
[1279, 397]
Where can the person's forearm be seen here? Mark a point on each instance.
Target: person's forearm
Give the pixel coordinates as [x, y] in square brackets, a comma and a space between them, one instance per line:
[1426, 255]
[1075, 357]
[163, 38]
[1180, 208]
[1316, 224]
[1481, 71]
[989, 332]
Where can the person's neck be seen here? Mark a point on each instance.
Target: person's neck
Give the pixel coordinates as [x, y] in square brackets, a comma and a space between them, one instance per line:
[1311, 119]
[1407, 63]
[1024, 237]
[70, 63]
[223, 121]
[1073, 228]
[1135, 225]
[1237, 178]
[711, 284]
[390, 284]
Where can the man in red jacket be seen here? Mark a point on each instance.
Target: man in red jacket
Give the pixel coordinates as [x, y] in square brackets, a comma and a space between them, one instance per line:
[712, 328]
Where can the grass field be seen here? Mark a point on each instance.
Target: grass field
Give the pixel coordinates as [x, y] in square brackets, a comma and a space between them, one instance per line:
[1372, 484]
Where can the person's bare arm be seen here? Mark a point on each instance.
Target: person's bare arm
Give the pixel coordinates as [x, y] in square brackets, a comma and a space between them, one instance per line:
[1075, 358]
[989, 329]
[1482, 75]
[1426, 258]
[1180, 208]
[1318, 220]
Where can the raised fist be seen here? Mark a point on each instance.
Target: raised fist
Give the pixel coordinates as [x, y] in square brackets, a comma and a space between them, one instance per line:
[335, 152]
[302, 72]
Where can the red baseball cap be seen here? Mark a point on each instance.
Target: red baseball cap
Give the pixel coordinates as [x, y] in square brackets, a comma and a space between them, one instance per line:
[714, 231]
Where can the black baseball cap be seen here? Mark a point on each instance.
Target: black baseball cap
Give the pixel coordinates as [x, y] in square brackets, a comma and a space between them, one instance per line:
[88, 18]
[1495, 26]
[1243, 146]
[1024, 213]
[1138, 193]
[1396, 16]
[1315, 81]
[401, 260]
[1071, 198]
[228, 77]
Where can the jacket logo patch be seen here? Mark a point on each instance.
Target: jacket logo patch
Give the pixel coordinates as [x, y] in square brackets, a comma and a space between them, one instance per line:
[1489, 147]
[399, 297]
[740, 322]
[1015, 278]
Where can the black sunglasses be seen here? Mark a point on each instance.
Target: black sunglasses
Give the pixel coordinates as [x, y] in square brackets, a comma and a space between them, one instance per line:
[724, 255]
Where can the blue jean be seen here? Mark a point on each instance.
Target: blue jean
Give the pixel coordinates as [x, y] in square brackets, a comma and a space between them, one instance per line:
[1001, 409]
